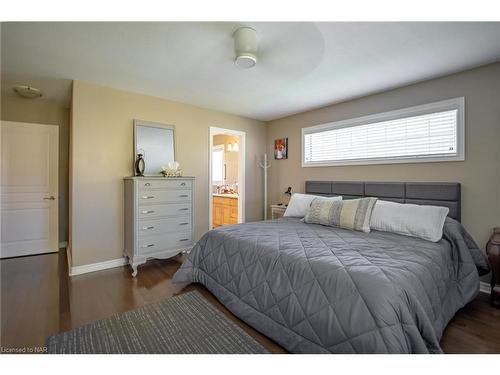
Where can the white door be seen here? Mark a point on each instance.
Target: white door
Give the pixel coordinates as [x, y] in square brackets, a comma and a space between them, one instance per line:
[29, 189]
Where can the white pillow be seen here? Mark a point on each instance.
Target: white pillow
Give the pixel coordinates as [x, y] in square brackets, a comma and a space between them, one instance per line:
[409, 219]
[299, 203]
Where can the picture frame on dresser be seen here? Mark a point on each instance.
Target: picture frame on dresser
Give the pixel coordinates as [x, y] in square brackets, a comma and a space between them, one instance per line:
[159, 218]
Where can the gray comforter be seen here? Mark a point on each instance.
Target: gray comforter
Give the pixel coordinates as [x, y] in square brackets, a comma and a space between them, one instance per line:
[316, 289]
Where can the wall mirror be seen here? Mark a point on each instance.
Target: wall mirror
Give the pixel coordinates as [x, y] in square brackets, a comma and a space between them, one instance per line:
[156, 142]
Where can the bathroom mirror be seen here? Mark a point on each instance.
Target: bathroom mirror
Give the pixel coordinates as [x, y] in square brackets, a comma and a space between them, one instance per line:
[156, 142]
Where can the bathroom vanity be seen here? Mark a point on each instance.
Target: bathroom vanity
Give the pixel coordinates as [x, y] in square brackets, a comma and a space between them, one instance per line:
[225, 209]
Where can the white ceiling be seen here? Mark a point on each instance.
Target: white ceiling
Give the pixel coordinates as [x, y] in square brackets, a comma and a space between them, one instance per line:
[301, 65]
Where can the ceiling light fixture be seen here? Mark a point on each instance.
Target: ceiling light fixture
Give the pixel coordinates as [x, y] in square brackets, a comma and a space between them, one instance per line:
[245, 47]
[27, 91]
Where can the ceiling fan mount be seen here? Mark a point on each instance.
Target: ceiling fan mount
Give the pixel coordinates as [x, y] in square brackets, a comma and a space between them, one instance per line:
[245, 47]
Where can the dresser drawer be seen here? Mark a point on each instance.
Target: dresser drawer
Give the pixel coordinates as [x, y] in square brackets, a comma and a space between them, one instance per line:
[161, 226]
[161, 210]
[164, 184]
[156, 243]
[163, 196]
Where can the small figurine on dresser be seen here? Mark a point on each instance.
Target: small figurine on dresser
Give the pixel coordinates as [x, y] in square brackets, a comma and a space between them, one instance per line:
[493, 250]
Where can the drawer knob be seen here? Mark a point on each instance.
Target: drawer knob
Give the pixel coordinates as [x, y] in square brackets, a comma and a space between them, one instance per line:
[183, 195]
[146, 228]
[184, 239]
[148, 197]
[147, 184]
[183, 184]
[183, 209]
[183, 223]
[150, 245]
[148, 212]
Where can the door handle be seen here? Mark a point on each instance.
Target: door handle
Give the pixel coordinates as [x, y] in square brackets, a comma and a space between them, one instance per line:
[51, 198]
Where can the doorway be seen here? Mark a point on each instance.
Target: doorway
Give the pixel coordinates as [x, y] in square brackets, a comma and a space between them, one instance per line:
[29, 183]
[226, 182]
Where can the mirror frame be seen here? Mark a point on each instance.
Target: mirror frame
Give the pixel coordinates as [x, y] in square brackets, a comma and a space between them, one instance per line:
[152, 125]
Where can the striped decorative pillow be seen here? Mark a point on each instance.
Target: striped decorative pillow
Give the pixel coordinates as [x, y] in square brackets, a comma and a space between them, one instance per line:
[353, 214]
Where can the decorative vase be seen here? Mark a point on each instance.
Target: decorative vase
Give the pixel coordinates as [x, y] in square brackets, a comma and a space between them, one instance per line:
[140, 166]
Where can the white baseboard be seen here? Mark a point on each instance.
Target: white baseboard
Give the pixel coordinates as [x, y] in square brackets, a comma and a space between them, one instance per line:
[78, 270]
[484, 287]
[63, 245]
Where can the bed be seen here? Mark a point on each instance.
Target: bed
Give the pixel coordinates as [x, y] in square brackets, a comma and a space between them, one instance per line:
[317, 289]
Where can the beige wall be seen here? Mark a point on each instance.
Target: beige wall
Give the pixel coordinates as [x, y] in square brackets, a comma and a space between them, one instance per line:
[479, 173]
[230, 158]
[18, 109]
[101, 139]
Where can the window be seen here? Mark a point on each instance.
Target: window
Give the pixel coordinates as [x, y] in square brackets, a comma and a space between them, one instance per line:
[427, 133]
[218, 165]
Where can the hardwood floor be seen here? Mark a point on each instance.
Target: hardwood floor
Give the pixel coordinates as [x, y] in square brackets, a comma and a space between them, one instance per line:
[38, 299]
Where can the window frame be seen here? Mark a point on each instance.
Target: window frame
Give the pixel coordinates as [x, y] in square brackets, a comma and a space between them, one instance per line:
[441, 106]
[219, 148]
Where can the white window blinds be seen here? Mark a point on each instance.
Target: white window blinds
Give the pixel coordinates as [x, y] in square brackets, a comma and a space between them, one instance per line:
[402, 139]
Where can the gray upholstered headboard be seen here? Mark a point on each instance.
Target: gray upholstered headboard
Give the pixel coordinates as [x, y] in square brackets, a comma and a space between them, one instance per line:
[446, 194]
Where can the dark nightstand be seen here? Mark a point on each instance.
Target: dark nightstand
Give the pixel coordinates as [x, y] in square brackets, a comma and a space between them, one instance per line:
[493, 251]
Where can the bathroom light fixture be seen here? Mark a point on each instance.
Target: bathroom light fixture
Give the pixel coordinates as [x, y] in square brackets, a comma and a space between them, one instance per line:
[27, 91]
[233, 147]
[245, 47]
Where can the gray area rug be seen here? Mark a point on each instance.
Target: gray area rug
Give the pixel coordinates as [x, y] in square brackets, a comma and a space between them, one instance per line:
[187, 323]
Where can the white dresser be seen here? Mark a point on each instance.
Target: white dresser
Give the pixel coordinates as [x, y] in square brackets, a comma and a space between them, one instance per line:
[158, 218]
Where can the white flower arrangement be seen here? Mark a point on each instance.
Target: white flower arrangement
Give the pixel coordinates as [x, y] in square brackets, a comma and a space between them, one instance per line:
[173, 169]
